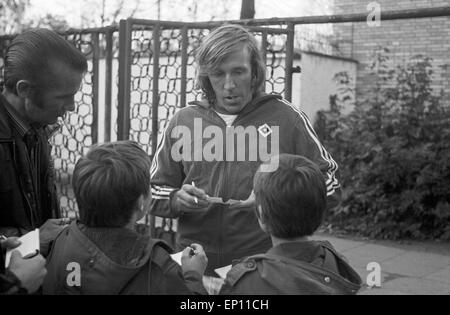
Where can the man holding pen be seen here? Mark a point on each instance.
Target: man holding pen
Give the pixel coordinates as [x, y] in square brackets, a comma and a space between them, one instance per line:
[211, 195]
[22, 275]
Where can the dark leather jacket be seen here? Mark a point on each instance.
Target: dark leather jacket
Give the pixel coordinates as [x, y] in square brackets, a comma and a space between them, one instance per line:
[301, 268]
[20, 211]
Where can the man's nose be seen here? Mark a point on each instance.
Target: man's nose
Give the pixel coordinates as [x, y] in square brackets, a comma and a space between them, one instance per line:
[229, 82]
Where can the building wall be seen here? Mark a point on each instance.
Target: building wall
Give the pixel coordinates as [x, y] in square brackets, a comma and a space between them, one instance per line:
[312, 88]
[404, 38]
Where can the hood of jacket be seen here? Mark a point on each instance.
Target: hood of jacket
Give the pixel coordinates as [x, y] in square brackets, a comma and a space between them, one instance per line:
[106, 265]
[312, 267]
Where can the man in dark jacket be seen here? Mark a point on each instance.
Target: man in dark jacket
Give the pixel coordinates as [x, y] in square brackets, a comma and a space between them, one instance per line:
[290, 204]
[42, 73]
[215, 146]
[102, 253]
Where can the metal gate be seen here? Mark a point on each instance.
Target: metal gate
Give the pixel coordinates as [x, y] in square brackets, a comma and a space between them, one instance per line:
[120, 97]
[157, 72]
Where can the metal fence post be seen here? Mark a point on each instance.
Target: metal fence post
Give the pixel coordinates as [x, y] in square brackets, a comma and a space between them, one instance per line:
[95, 85]
[108, 83]
[123, 111]
[289, 61]
[184, 61]
[264, 50]
[155, 86]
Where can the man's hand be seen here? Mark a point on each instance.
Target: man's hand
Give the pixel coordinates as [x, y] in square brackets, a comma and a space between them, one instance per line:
[250, 202]
[31, 272]
[189, 199]
[194, 259]
[48, 232]
[10, 243]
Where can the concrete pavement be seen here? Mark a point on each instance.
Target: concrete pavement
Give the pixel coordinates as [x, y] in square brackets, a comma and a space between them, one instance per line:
[408, 268]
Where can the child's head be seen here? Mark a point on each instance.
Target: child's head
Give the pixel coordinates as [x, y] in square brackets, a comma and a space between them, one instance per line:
[291, 200]
[112, 183]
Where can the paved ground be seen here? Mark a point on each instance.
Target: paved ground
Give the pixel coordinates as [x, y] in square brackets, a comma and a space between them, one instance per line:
[406, 267]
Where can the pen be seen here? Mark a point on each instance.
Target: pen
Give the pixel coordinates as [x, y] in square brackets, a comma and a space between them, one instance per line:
[3, 237]
[195, 198]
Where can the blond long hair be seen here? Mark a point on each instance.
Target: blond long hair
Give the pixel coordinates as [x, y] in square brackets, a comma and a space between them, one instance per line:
[217, 46]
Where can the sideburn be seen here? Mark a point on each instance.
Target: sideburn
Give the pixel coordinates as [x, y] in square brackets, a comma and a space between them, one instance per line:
[37, 96]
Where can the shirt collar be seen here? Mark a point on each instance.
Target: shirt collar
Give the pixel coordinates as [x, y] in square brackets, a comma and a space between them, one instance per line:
[20, 123]
[306, 251]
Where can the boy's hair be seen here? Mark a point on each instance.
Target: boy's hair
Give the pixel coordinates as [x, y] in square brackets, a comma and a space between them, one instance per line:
[108, 182]
[292, 198]
[218, 45]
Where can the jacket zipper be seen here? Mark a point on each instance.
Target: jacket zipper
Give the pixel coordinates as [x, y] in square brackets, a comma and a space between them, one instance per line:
[224, 193]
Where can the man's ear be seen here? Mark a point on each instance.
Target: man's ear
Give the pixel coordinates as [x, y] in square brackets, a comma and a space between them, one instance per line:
[140, 209]
[144, 202]
[253, 82]
[23, 88]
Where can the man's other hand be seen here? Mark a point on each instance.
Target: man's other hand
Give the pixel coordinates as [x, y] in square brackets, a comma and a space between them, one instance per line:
[194, 259]
[10, 243]
[249, 202]
[189, 199]
[31, 272]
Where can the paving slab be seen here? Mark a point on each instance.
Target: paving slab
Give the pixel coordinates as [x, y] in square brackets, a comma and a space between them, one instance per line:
[416, 264]
[368, 253]
[414, 286]
[341, 245]
[407, 267]
[440, 275]
[377, 291]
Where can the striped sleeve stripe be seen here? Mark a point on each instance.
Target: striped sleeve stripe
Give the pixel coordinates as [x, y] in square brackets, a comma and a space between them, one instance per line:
[169, 189]
[332, 183]
[324, 153]
[154, 166]
[162, 192]
[155, 196]
[331, 188]
[332, 180]
[159, 198]
[158, 193]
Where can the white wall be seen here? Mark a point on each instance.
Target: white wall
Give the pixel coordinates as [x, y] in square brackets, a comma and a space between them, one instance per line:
[312, 88]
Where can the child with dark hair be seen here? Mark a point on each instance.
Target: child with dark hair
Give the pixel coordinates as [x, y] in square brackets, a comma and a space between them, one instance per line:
[102, 253]
[290, 204]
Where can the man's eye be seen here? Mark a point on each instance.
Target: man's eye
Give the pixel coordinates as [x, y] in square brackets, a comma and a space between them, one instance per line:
[216, 74]
[239, 72]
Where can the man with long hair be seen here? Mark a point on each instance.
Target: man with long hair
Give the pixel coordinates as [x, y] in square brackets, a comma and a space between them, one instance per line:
[186, 171]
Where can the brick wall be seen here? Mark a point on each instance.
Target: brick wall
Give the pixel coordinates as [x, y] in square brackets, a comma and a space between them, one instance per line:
[404, 38]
